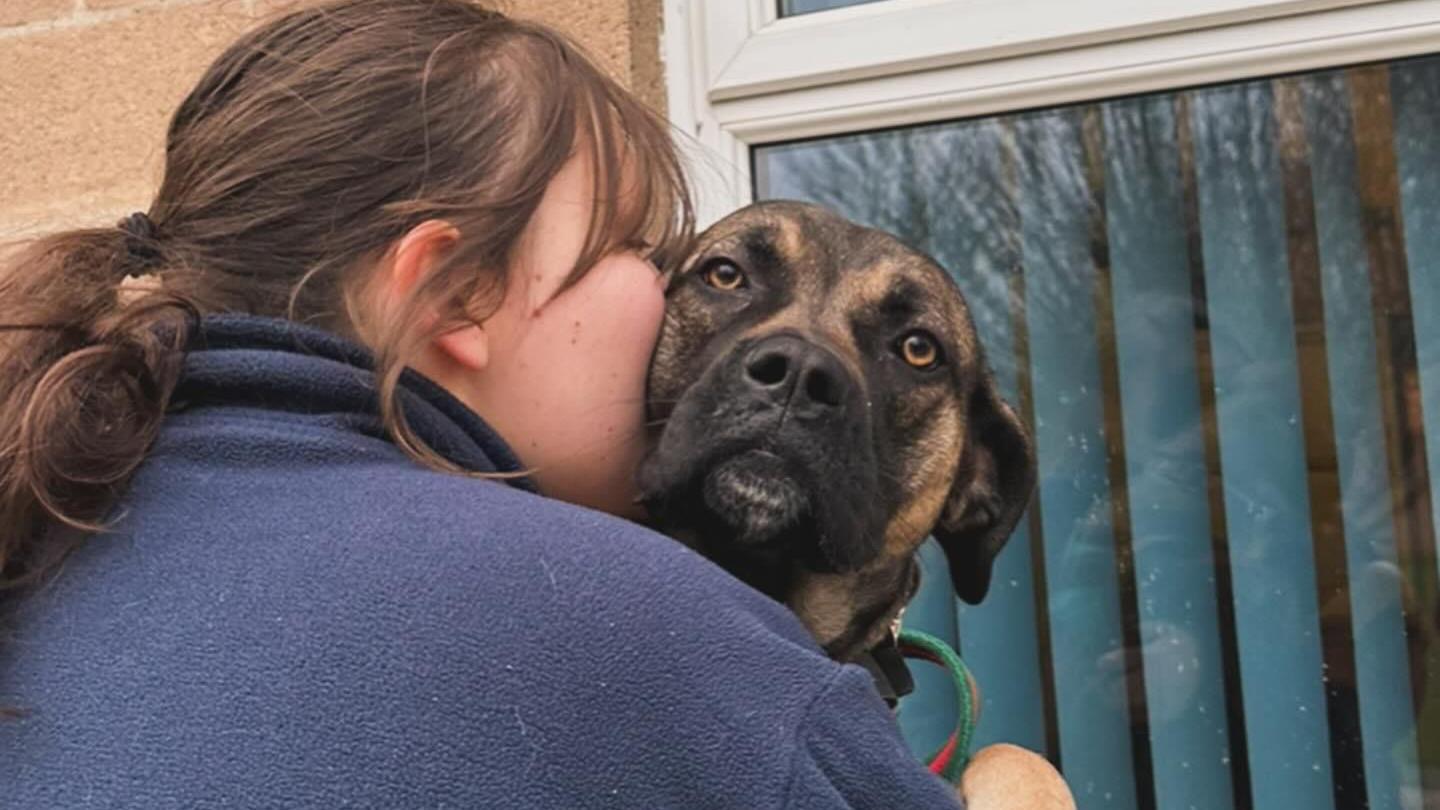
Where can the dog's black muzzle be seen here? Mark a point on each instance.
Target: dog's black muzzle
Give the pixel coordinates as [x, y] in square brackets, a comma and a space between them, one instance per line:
[771, 451]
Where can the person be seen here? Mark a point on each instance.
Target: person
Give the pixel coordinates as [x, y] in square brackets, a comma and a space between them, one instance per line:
[305, 470]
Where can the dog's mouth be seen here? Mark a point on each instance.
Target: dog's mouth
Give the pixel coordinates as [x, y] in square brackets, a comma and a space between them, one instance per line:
[748, 503]
[758, 495]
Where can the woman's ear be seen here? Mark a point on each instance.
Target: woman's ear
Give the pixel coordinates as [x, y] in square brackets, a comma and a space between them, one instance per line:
[416, 255]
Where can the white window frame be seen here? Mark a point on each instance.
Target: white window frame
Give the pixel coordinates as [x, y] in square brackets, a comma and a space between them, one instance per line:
[738, 77]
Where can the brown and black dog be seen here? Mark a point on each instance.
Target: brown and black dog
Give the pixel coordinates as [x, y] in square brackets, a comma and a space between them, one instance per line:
[824, 406]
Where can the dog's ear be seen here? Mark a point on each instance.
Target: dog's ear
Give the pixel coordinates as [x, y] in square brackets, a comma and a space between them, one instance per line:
[991, 490]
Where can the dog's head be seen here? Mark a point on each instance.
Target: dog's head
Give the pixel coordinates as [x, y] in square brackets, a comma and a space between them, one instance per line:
[825, 406]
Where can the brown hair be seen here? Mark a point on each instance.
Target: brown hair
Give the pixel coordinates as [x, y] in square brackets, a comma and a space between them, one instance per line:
[307, 149]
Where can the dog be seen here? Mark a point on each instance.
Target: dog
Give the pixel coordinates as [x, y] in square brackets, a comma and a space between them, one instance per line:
[823, 404]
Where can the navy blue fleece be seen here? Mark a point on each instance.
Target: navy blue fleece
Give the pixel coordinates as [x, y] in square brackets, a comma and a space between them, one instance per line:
[290, 613]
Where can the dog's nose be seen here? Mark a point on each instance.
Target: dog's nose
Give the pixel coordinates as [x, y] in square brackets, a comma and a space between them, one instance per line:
[789, 367]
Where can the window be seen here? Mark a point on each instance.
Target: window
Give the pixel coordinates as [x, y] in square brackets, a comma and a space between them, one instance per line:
[1214, 306]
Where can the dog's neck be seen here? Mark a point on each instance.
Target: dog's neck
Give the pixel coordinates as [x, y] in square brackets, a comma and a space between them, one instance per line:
[851, 613]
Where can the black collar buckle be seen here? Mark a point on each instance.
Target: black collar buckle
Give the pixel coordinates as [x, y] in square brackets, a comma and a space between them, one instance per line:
[887, 666]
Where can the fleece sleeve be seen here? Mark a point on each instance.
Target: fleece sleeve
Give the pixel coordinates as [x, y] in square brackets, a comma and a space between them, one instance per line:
[849, 754]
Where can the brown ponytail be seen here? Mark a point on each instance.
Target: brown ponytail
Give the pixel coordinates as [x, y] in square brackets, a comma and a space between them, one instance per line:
[83, 384]
[307, 148]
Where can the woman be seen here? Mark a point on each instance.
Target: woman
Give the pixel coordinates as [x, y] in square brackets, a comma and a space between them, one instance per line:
[263, 541]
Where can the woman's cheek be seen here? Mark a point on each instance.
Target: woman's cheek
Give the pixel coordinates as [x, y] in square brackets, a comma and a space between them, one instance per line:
[632, 315]
[626, 310]
[599, 336]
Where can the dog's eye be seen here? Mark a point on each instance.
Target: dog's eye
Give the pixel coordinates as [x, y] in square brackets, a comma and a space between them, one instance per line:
[723, 275]
[920, 350]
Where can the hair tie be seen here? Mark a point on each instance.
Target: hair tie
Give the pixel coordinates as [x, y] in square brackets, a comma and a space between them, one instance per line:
[140, 238]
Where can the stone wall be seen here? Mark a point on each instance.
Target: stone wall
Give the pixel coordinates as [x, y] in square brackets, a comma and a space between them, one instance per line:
[87, 88]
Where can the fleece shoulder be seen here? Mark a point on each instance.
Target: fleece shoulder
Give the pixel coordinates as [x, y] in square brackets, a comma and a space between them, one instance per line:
[849, 754]
[491, 546]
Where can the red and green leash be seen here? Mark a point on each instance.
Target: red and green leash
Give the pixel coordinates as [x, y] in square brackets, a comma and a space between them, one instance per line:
[950, 761]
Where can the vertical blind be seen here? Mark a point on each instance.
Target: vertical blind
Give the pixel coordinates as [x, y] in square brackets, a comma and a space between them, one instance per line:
[1219, 311]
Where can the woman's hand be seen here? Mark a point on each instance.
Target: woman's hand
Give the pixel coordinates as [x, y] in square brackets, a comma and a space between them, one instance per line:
[1007, 777]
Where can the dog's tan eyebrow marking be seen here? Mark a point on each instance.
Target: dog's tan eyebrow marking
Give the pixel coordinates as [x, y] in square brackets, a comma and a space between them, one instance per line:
[888, 294]
[787, 237]
[863, 288]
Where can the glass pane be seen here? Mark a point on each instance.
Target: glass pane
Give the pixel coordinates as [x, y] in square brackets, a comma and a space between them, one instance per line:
[1209, 306]
[789, 8]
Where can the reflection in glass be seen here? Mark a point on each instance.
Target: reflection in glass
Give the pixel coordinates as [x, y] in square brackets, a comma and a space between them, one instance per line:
[789, 8]
[1216, 309]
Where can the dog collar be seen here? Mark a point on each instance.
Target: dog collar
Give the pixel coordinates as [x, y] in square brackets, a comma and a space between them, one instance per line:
[887, 666]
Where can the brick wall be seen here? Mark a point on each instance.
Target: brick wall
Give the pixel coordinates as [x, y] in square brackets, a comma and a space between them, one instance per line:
[87, 88]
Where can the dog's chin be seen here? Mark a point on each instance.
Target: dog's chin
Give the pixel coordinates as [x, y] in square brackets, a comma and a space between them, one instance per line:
[755, 495]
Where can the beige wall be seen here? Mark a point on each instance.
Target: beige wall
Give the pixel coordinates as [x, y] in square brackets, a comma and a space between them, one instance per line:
[87, 88]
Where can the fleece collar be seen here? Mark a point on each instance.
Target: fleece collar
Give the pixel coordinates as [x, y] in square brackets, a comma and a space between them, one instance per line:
[248, 361]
